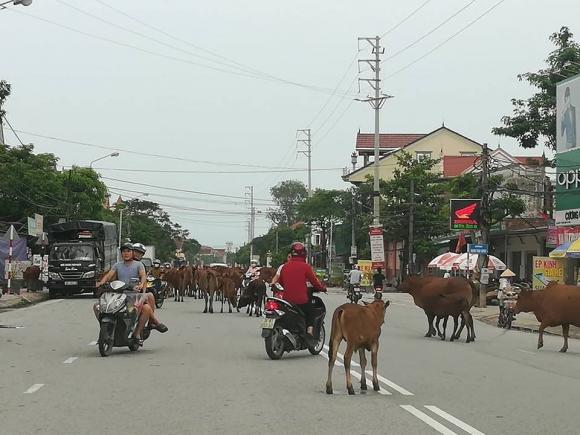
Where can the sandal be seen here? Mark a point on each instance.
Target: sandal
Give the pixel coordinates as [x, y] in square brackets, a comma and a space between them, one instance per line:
[161, 328]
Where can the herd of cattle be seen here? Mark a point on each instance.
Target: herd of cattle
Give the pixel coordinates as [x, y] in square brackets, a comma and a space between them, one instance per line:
[218, 283]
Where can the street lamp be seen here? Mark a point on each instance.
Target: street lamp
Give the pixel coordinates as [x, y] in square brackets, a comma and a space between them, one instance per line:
[16, 2]
[115, 154]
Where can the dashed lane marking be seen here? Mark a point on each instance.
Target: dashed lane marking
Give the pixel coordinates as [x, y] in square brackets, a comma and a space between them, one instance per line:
[70, 360]
[34, 388]
[385, 381]
[92, 343]
[357, 375]
[526, 351]
[460, 424]
[428, 420]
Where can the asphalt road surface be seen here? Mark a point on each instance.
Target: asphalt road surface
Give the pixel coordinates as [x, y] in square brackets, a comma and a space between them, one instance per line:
[210, 374]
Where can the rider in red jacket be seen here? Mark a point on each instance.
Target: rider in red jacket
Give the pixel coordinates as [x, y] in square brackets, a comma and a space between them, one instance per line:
[293, 278]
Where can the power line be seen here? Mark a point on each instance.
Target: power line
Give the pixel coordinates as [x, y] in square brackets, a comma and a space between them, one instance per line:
[471, 23]
[434, 29]
[12, 129]
[400, 23]
[177, 171]
[141, 153]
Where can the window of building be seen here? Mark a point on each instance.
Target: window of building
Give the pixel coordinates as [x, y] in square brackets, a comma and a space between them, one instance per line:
[422, 155]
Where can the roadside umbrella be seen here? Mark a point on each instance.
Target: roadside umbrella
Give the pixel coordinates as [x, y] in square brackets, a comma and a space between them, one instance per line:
[492, 262]
[507, 274]
[441, 259]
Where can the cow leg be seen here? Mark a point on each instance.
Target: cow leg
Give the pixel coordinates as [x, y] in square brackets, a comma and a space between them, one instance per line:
[431, 331]
[222, 309]
[333, 344]
[541, 334]
[439, 332]
[565, 330]
[374, 358]
[205, 297]
[230, 305]
[469, 326]
[363, 363]
[460, 330]
[211, 302]
[455, 325]
[347, 359]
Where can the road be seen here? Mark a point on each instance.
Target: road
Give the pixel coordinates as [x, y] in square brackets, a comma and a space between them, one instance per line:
[210, 374]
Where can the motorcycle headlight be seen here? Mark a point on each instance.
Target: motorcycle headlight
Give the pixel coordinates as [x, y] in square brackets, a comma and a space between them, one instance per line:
[54, 275]
[90, 274]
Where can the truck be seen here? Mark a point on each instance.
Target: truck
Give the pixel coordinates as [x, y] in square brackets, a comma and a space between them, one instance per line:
[80, 252]
[148, 257]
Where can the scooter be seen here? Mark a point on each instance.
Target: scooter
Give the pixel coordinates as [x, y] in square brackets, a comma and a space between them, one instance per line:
[354, 294]
[284, 327]
[157, 287]
[118, 318]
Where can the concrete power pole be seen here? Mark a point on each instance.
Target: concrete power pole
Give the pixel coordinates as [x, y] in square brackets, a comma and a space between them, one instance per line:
[250, 193]
[410, 242]
[377, 101]
[304, 137]
[483, 219]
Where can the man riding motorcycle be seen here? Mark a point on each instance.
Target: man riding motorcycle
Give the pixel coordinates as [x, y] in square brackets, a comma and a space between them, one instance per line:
[126, 271]
[156, 269]
[293, 277]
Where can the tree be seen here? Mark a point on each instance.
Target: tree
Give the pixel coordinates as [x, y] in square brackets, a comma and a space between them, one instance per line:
[277, 241]
[288, 195]
[320, 211]
[535, 118]
[5, 89]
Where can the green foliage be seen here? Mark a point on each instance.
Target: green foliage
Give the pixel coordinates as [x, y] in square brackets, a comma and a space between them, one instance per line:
[287, 195]
[5, 89]
[535, 117]
[284, 235]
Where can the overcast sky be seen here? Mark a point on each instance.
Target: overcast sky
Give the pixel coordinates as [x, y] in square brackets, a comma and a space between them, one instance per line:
[146, 91]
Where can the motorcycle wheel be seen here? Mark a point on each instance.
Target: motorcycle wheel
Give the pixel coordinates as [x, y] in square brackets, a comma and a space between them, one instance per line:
[159, 301]
[320, 345]
[106, 340]
[275, 344]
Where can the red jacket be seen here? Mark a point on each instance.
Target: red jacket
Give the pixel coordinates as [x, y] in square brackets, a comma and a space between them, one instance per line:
[293, 278]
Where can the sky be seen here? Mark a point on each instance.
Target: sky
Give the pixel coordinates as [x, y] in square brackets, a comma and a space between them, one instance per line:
[217, 90]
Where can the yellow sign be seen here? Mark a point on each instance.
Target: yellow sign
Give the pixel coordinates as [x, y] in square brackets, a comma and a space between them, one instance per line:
[547, 269]
[366, 267]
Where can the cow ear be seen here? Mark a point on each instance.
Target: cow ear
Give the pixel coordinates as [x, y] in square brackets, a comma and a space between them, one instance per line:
[387, 303]
[365, 303]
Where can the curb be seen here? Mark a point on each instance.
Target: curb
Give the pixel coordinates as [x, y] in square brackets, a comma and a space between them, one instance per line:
[23, 301]
[492, 320]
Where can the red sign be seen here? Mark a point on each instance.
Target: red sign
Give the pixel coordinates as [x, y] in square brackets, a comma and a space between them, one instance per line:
[465, 214]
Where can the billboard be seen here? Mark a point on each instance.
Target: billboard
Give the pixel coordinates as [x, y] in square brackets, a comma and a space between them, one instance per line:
[465, 214]
[377, 247]
[567, 211]
[366, 267]
[547, 269]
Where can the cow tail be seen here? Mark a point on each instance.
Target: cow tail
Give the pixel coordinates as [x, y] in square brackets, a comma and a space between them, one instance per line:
[474, 291]
[334, 330]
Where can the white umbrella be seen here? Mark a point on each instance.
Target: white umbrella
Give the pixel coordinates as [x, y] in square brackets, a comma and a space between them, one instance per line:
[441, 259]
[492, 262]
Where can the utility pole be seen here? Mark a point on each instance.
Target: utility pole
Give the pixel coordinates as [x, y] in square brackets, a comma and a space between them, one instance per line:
[410, 241]
[353, 249]
[304, 137]
[250, 193]
[377, 101]
[484, 222]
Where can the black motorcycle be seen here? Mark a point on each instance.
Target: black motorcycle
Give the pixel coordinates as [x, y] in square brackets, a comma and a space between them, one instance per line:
[118, 318]
[507, 314]
[284, 327]
[157, 287]
[354, 293]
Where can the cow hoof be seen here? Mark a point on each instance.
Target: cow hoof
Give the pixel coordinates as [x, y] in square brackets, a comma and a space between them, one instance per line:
[363, 387]
[564, 349]
[328, 389]
[350, 390]
[376, 386]
[540, 345]
[428, 334]
[442, 338]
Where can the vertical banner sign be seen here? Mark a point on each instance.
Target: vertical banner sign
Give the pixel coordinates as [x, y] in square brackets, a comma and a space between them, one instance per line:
[465, 214]
[39, 220]
[567, 211]
[377, 247]
[547, 269]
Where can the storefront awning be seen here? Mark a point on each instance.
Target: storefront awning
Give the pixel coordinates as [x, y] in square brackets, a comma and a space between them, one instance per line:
[567, 250]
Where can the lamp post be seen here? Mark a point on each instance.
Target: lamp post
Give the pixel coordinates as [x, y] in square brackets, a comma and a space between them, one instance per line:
[115, 154]
[353, 250]
[15, 2]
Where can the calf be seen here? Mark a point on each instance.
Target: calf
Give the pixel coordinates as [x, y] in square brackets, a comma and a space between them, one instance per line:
[229, 293]
[360, 327]
[557, 304]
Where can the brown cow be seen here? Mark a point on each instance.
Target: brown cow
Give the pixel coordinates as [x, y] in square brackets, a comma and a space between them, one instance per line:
[557, 304]
[442, 297]
[360, 327]
[229, 292]
[208, 285]
[30, 277]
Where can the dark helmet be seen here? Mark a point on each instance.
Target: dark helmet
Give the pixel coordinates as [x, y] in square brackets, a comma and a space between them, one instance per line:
[139, 248]
[126, 245]
[298, 250]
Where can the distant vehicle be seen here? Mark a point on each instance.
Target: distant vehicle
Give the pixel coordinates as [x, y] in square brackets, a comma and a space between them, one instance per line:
[80, 252]
[218, 265]
[148, 257]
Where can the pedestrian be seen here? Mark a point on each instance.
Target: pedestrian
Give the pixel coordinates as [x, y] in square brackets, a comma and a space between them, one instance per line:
[447, 274]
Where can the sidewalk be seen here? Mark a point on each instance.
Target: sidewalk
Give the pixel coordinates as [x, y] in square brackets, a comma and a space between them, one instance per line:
[523, 322]
[24, 299]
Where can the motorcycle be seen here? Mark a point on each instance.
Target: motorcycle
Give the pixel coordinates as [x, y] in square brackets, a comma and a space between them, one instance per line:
[284, 327]
[354, 293]
[157, 287]
[507, 315]
[118, 318]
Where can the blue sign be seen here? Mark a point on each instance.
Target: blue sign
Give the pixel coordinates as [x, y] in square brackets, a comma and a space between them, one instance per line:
[477, 249]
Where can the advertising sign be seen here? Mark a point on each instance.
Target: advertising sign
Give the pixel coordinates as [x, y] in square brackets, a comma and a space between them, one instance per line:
[39, 220]
[377, 247]
[31, 227]
[465, 214]
[568, 153]
[547, 269]
[366, 267]
[559, 235]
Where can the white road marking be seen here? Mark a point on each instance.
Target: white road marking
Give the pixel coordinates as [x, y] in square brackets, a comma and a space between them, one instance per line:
[526, 351]
[385, 381]
[70, 360]
[357, 375]
[426, 419]
[391, 384]
[93, 343]
[53, 301]
[467, 428]
[34, 388]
